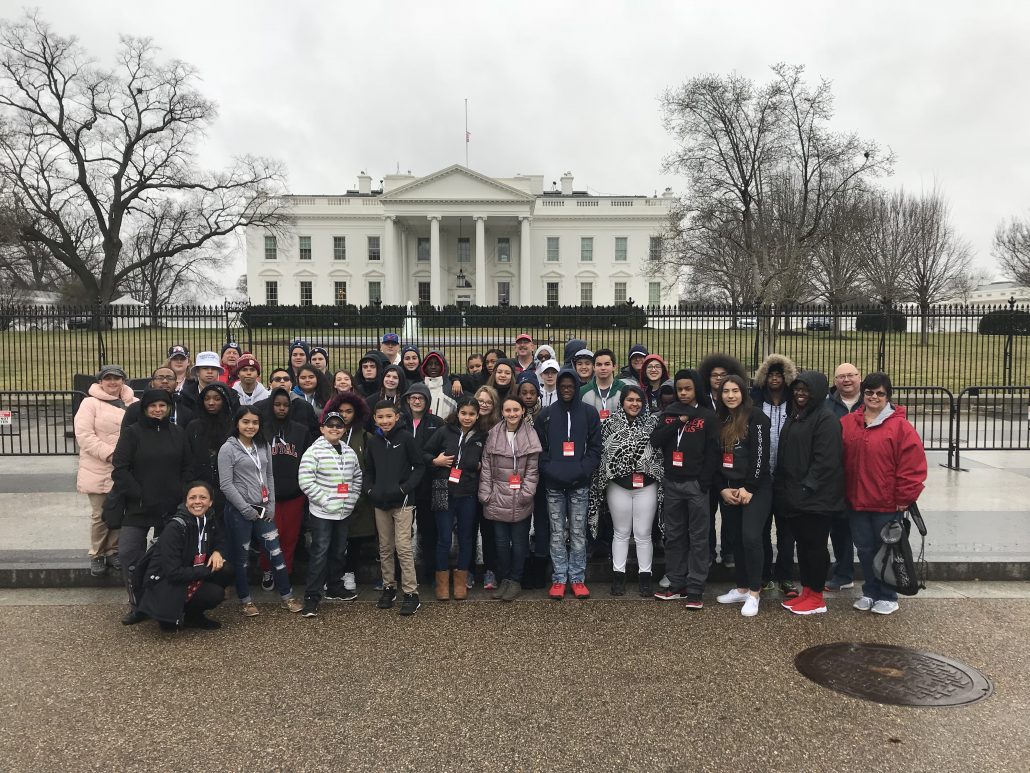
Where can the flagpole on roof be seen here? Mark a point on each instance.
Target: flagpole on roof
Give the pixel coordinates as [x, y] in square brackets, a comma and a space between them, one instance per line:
[466, 133]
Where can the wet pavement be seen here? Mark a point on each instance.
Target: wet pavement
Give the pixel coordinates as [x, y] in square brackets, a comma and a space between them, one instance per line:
[479, 685]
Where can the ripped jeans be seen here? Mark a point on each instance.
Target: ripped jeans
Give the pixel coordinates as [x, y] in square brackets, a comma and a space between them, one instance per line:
[239, 533]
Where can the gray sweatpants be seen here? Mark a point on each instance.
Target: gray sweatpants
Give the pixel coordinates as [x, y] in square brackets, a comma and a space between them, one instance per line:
[686, 519]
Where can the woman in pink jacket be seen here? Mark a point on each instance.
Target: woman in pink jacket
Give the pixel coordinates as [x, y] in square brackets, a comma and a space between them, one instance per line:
[98, 423]
[507, 484]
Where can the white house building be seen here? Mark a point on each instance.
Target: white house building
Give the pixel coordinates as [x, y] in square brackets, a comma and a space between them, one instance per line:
[460, 237]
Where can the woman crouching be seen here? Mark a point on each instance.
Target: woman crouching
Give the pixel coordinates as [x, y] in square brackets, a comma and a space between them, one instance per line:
[187, 575]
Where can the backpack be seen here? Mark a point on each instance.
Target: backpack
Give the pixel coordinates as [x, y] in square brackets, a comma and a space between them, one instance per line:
[139, 574]
[893, 564]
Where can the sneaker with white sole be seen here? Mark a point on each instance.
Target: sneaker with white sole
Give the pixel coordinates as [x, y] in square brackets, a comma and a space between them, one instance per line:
[864, 604]
[836, 585]
[884, 607]
[664, 582]
[750, 608]
[267, 582]
[733, 596]
[349, 581]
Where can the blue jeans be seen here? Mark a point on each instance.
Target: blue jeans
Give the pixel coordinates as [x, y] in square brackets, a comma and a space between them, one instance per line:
[512, 541]
[865, 532]
[567, 509]
[240, 532]
[843, 549]
[461, 511]
[326, 556]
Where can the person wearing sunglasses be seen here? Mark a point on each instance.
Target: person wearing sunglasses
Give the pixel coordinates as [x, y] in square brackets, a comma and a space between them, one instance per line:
[884, 473]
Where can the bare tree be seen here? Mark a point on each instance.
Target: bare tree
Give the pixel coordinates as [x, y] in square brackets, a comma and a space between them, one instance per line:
[1012, 249]
[965, 284]
[938, 255]
[886, 246]
[92, 155]
[837, 259]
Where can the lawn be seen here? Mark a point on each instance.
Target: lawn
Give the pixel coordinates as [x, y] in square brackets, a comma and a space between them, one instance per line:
[48, 360]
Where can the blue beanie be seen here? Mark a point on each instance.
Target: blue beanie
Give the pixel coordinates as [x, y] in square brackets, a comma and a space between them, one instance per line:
[528, 377]
[300, 343]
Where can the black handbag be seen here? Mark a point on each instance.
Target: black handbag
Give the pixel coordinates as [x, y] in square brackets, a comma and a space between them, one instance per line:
[893, 564]
[113, 513]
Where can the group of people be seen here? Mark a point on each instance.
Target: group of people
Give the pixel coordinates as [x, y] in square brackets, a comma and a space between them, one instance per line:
[523, 464]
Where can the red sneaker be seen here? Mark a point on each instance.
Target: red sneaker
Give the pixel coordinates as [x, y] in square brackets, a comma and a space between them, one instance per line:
[557, 591]
[813, 604]
[791, 602]
[580, 590]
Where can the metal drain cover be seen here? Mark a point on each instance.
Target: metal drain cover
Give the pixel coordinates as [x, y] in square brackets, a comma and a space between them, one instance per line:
[894, 675]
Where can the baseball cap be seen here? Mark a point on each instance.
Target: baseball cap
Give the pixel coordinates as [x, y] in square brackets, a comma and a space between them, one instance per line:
[550, 365]
[178, 351]
[523, 337]
[332, 415]
[583, 354]
[391, 338]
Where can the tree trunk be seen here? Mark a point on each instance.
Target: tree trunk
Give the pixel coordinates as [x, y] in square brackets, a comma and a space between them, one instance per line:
[924, 320]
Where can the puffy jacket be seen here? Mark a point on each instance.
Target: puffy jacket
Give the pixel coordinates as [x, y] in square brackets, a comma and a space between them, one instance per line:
[322, 470]
[553, 426]
[393, 468]
[98, 423]
[500, 502]
[809, 477]
[445, 440]
[884, 463]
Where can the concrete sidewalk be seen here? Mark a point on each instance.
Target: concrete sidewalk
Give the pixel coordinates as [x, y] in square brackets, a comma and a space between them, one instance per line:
[978, 521]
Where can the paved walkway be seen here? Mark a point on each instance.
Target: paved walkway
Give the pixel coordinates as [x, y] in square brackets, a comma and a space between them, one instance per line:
[534, 685]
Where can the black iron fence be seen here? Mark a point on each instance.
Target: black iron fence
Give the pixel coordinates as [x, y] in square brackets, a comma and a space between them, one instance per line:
[42, 348]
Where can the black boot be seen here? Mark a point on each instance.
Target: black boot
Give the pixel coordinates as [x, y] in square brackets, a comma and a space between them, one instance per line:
[618, 583]
[644, 580]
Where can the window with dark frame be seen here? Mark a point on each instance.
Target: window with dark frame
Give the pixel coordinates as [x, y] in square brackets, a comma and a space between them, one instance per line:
[271, 293]
[424, 293]
[339, 248]
[305, 247]
[552, 293]
[340, 293]
[464, 250]
[271, 248]
[423, 249]
[375, 292]
[373, 248]
[503, 249]
[306, 294]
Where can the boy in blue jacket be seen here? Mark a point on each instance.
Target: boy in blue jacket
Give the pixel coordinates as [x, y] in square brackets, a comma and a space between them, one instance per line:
[570, 433]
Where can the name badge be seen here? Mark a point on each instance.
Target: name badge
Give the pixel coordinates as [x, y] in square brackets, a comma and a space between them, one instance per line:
[568, 448]
[605, 414]
[264, 495]
[455, 475]
[677, 458]
[200, 559]
[342, 488]
[727, 460]
[638, 480]
[515, 482]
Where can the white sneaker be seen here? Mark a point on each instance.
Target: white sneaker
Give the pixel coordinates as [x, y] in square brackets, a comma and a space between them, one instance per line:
[733, 596]
[349, 582]
[864, 604]
[883, 607]
[664, 582]
[750, 608]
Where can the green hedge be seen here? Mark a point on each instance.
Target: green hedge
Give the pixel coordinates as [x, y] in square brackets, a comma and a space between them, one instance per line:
[1004, 322]
[875, 321]
[324, 316]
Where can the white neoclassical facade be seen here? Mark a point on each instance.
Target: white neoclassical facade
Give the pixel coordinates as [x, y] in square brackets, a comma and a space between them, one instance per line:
[460, 237]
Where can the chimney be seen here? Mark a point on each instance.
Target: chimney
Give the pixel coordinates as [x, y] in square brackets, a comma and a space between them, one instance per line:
[668, 194]
[364, 184]
[566, 184]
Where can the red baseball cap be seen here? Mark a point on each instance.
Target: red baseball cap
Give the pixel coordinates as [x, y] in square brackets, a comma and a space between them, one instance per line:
[522, 336]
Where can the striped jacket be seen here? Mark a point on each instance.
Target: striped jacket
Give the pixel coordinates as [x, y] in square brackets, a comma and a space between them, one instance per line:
[323, 472]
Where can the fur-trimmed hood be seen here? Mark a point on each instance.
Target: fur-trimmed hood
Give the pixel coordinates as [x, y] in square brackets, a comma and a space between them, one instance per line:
[790, 370]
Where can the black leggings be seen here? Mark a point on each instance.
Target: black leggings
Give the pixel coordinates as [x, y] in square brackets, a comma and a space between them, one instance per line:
[747, 523]
[812, 530]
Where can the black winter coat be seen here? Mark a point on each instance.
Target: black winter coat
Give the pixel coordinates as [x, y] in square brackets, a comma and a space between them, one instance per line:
[809, 465]
[749, 458]
[445, 440]
[171, 568]
[151, 465]
[393, 468]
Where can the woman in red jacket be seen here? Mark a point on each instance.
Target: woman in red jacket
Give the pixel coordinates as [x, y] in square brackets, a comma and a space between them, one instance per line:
[884, 471]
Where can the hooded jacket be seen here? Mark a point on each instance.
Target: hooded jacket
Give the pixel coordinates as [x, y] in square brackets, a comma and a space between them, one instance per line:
[393, 468]
[182, 409]
[627, 371]
[500, 501]
[207, 433]
[759, 393]
[366, 387]
[412, 376]
[717, 360]
[573, 346]
[748, 462]
[653, 396]
[573, 422]
[884, 463]
[98, 423]
[260, 393]
[151, 465]
[809, 474]
[300, 412]
[242, 475]
[604, 406]
[697, 439]
[323, 470]
[288, 440]
[441, 403]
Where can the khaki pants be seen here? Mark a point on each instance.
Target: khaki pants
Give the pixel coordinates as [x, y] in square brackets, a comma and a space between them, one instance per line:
[102, 540]
[394, 527]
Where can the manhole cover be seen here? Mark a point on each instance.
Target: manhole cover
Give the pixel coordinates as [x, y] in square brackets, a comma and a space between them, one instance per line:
[894, 675]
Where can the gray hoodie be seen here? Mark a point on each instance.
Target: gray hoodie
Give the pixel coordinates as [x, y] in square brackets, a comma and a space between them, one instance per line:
[241, 481]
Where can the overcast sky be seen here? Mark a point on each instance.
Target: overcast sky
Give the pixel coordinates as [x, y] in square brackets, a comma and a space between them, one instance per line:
[332, 88]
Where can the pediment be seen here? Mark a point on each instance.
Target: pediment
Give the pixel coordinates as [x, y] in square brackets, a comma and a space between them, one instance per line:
[456, 183]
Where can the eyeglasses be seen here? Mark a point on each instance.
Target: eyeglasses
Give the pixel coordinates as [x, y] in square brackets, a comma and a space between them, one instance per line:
[843, 376]
[164, 378]
[875, 393]
[280, 378]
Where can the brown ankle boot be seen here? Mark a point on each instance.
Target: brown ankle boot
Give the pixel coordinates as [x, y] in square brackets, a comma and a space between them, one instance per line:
[461, 590]
[443, 590]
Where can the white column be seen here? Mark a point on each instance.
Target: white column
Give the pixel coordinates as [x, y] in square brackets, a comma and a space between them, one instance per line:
[481, 288]
[526, 269]
[391, 265]
[435, 269]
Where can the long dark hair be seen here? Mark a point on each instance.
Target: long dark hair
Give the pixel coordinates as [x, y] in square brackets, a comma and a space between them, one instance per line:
[452, 418]
[734, 421]
[323, 390]
[244, 410]
[503, 391]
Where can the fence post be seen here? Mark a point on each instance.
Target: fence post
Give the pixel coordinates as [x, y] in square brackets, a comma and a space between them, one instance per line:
[881, 352]
[756, 355]
[1007, 362]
